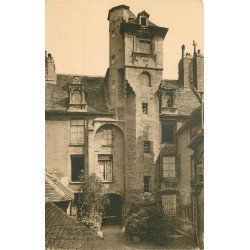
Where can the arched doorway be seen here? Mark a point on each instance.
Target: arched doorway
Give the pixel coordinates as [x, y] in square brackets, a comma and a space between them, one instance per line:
[113, 211]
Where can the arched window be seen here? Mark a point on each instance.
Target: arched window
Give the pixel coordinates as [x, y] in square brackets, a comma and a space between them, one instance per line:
[145, 79]
[77, 97]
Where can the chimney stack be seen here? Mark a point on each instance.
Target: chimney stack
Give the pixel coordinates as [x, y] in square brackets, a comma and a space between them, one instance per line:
[182, 51]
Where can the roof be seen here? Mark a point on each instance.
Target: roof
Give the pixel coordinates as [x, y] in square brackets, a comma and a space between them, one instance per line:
[57, 96]
[64, 232]
[185, 100]
[199, 138]
[122, 6]
[195, 117]
[55, 191]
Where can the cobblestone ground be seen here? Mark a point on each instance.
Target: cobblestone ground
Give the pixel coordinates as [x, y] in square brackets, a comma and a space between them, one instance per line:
[115, 239]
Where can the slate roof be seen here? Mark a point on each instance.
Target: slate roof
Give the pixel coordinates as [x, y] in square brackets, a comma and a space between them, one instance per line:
[55, 191]
[64, 232]
[185, 99]
[57, 96]
[193, 118]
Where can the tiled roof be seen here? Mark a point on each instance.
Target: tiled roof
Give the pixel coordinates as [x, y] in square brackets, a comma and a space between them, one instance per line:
[64, 232]
[194, 117]
[185, 99]
[57, 96]
[56, 191]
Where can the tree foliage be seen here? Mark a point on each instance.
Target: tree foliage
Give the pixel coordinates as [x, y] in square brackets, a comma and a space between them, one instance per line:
[91, 201]
[145, 218]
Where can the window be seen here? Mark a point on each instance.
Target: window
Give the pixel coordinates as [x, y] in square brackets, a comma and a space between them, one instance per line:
[145, 79]
[77, 97]
[169, 166]
[77, 165]
[146, 181]
[105, 164]
[144, 108]
[77, 131]
[107, 136]
[167, 101]
[143, 21]
[147, 145]
[169, 204]
[168, 134]
[143, 46]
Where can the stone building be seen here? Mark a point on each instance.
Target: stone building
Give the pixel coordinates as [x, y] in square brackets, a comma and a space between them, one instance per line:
[123, 126]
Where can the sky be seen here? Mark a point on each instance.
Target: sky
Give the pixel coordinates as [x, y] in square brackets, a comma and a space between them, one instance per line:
[77, 32]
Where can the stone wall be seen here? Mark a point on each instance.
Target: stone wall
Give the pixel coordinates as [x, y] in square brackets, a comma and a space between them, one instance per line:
[57, 134]
[184, 187]
[116, 150]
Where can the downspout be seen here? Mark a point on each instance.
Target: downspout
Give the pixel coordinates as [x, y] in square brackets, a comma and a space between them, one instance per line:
[200, 97]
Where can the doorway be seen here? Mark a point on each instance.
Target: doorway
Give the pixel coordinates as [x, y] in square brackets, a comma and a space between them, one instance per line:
[113, 211]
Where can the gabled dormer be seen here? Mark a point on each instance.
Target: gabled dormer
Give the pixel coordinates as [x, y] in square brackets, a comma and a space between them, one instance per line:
[77, 95]
[143, 18]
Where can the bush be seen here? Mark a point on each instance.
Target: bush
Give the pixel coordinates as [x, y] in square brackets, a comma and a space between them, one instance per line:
[90, 202]
[146, 219]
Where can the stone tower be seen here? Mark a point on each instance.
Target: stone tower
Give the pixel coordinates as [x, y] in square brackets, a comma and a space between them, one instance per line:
[134, 75]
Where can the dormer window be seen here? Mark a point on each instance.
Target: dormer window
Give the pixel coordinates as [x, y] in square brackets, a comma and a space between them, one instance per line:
[167, 100]
[143, 18]
[77, 94]
[143, 21]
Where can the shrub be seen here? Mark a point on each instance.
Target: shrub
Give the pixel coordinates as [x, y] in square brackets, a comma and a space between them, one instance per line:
[146, 219]
[90, 201]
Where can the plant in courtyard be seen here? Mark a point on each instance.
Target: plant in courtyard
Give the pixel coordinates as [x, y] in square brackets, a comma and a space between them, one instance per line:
[90, 201]
[145, 218]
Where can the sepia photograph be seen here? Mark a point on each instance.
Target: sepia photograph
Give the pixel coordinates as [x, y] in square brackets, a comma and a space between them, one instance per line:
[124, 124]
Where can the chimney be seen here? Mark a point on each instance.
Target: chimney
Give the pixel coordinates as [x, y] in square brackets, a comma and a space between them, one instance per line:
[182, 51]
[198, 71]
[184, 65]
[50, 69]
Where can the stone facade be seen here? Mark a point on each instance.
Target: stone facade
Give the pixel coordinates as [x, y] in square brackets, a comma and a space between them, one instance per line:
[129, 117]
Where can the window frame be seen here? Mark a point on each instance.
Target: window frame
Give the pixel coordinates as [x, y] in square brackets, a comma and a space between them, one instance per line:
[144, 108]
[71, 167]
[147, 148]
[75, 130]
[168, 170]
[146, 21]
[103, 175]
[109, 136]
[147, 186]
[142, 79]
[174, 131]
[165, 200]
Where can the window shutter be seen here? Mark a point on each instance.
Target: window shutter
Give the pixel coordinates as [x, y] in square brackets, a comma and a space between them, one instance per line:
[178, 166]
